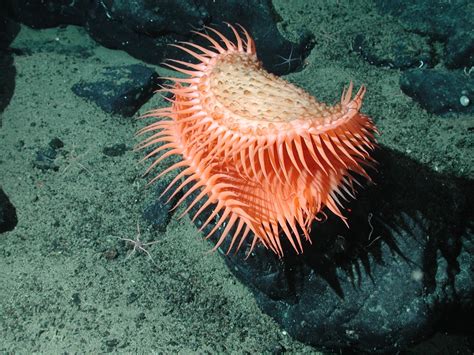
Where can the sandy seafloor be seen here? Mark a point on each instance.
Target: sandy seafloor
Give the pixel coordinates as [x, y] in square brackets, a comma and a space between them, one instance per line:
[59, 293]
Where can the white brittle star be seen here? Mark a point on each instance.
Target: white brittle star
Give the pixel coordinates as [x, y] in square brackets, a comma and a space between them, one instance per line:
[73, 158]
[289, 59]
[138, 245]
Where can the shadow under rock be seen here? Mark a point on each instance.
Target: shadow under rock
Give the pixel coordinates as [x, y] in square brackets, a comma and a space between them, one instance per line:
[8, 31]
[400, 272]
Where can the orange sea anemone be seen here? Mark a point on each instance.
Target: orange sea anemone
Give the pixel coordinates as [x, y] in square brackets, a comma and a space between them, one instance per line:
[267, 155]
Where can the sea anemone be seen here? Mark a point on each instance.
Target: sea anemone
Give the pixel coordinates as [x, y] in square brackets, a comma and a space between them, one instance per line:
[268, 156]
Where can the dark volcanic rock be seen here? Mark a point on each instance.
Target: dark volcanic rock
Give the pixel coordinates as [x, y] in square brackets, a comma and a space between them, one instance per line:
[48, 13]
[158, 213]
[450, 22]
[278, 55]
[115, 150]
[438, 19]
[401, 272]
[8, 31]
[7, 80]
[444, 38]
[56, 143]
[120, 90]
[144, 28]
[460, 50]
[44, 159]
[401, 51]
[439, 91]
[8, 218]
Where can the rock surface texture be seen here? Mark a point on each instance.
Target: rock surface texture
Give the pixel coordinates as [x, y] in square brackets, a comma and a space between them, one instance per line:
[436, 38]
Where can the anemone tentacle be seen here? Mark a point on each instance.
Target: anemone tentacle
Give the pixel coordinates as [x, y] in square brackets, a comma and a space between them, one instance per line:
[267, 155]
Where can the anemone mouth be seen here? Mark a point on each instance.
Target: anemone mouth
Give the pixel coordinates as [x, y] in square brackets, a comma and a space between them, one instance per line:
[267, 155]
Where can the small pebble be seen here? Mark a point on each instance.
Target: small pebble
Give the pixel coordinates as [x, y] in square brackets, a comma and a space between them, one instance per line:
[464, 100]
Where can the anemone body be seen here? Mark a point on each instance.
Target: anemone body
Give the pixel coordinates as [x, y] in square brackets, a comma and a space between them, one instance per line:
[263, 153]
